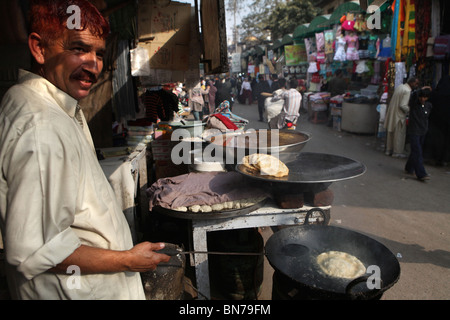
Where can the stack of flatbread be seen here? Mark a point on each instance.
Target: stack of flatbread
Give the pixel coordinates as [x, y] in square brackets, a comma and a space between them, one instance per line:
[265, 164]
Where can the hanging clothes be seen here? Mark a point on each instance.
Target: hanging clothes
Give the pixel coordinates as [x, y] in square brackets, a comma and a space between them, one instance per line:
[386, 49]
[423, 22]
[352, 47]
[398, 18]
[409, 33]
[159, 104]
[372, 46]
[376, 78]
[328, 34]
[320, 42]
[400, 73]
[363, 50]
[313, 67]
[340, 49]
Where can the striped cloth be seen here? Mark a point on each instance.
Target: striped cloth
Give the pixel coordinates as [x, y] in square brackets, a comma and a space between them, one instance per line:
[409, 35]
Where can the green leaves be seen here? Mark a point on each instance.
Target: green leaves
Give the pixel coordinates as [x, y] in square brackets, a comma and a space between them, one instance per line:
[277, 18]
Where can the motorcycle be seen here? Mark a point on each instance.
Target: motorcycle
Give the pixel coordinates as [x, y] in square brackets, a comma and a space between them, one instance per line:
[289, 125]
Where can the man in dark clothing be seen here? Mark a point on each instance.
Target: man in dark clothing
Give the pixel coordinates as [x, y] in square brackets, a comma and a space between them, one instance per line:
[260, 87]
[224, 92]
[417, 128]
[337, 85]
[275, 84]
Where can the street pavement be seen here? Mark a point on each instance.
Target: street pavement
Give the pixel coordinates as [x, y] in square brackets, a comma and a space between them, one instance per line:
[410, 217]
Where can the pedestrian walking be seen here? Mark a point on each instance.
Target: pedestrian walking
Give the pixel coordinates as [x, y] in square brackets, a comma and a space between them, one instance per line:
[419, 113]
[212, 96]
[196, 100]
[246, 92]
[261, 87]
[275, 85]
[395, 122]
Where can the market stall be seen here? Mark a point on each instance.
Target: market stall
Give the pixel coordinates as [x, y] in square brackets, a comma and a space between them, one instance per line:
[341, 41]
[375, 46]
[238, 198]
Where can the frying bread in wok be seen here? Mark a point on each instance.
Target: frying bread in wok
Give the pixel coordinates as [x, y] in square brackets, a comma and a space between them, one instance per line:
[340, 264]
[265, 164]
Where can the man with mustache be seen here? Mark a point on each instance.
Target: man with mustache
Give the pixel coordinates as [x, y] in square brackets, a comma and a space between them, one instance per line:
[65, 235]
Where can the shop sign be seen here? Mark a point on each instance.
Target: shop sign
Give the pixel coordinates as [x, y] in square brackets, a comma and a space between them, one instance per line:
[295, 54]
[236, 62]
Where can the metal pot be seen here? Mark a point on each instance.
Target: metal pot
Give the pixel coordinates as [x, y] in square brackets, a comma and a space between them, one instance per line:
[293, 251]
[235, 146]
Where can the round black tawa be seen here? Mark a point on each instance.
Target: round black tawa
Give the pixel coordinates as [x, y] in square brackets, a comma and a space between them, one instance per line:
[307, 167]
[210, 215]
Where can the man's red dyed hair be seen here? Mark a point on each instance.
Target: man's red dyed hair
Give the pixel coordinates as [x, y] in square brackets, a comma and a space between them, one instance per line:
[48, 18]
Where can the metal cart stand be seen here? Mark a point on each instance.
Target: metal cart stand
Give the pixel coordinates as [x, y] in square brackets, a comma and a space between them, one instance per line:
[267, 216]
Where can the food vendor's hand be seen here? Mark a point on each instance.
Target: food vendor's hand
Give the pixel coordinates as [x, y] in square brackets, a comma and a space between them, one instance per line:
[144, 257]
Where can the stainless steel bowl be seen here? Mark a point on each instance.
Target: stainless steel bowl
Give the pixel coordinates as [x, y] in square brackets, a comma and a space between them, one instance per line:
[235, 146]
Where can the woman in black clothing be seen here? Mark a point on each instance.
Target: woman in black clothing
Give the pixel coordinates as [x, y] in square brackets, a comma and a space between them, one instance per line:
[437, 141]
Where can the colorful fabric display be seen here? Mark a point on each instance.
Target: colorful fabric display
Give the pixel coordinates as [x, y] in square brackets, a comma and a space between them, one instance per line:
[372, 46]
[363, 50]
[320, 42]
[409, 35]
[360, 23]
[340, 49]
[441, 47]
[329, 37]
[352, 47]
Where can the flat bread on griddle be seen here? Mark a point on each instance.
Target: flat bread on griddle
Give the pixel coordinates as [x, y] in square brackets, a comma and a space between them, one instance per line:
[265, 164]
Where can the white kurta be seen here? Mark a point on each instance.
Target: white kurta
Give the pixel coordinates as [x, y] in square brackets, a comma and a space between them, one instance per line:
[55, 197]
[291, 108]
[395, 121]
[398, 107]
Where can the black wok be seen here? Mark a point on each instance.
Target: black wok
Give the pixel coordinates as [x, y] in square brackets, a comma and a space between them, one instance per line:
[293, 251]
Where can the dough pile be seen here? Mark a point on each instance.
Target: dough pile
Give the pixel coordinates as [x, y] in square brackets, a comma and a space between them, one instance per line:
[219, 207]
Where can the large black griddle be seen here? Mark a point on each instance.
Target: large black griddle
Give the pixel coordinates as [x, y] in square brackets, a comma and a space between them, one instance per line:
[311, 168]
[293, 252]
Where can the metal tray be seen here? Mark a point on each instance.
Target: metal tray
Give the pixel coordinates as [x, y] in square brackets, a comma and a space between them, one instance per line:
[210, 215]
[308, 167]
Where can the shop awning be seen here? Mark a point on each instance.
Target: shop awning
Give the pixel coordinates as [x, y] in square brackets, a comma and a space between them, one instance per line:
[287, 40]
[319, 23]
[382, 4]
[276, 44]
[260, 50]
[300, 31]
